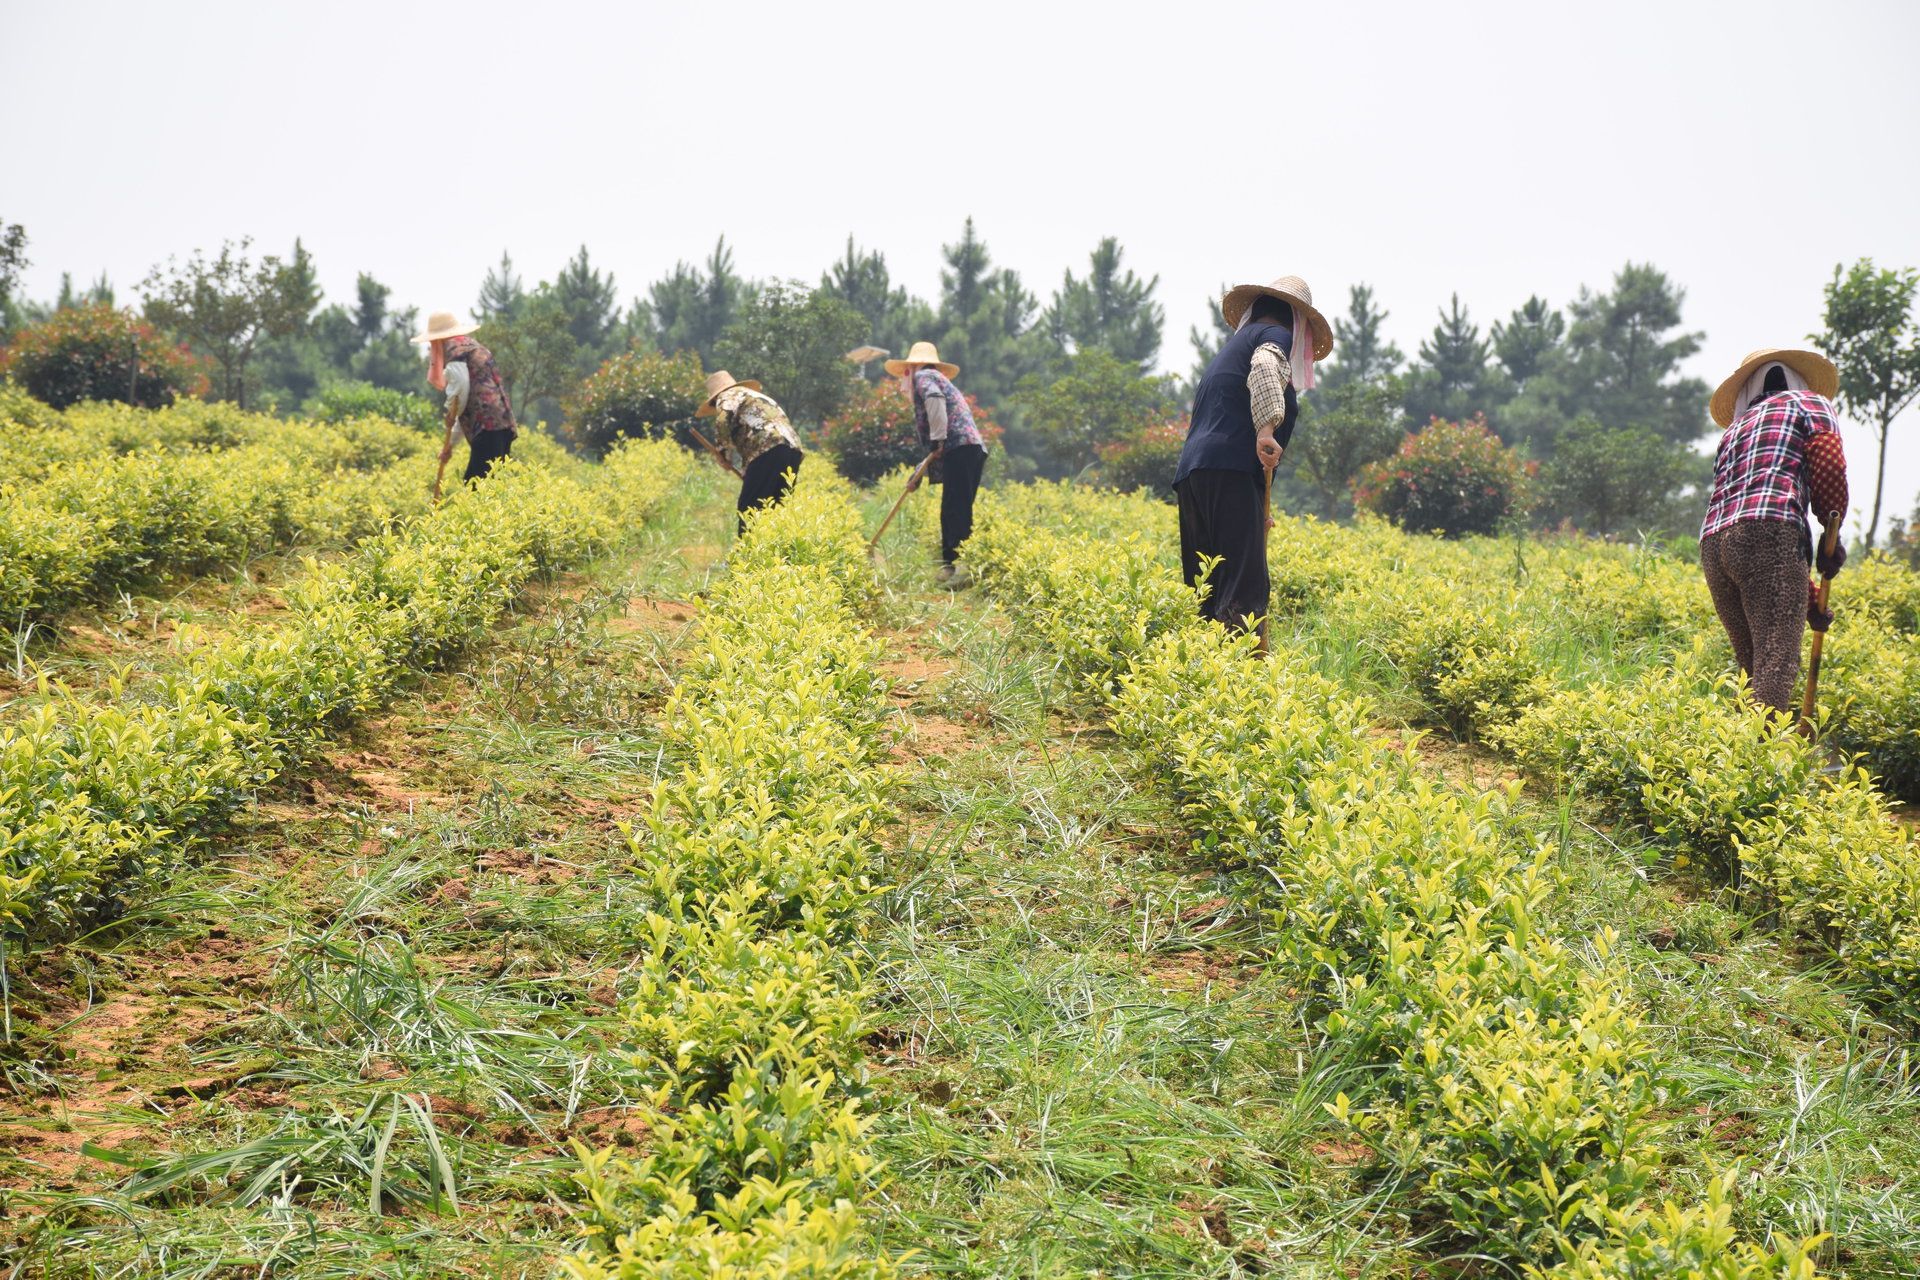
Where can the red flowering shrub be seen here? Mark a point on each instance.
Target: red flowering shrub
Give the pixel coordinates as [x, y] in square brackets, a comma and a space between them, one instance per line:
[1452, 478]
[1145, 458]
[873, 433]
[637, 393]
[100, 353]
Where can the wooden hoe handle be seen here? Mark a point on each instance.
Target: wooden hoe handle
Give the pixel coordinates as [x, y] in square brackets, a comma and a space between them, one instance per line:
[1827, 543]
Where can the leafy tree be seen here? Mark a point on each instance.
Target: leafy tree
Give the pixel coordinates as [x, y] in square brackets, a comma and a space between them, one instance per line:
[587, 297]
[1108, 311]
[688, 310]
[1097, 400]
[1342, 428]
[226, 306]
[537, 358]
[1452, 379]
[502, 294]
[793, 340]
[95, 352]
[1607, 478]
[13, 261]
[1624, 358]
[895, 318]
[1361, 353]
[1872, 337]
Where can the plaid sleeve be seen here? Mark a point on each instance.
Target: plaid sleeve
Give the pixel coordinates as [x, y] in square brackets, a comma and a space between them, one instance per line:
[1826, 471]
[1267, 383]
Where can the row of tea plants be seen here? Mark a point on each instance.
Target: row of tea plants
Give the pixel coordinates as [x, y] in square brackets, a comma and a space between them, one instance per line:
[743, 1035]
[97, 795]
[1512, 1088]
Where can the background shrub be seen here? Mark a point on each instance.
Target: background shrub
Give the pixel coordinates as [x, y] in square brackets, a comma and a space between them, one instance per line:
[1453, 478]
[364, 400]
[637, 395]
[99, 353]
[1144, 459]
[873, 433]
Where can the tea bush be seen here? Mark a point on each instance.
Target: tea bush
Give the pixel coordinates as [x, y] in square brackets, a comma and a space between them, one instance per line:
[743, 1032]
[117, 495]
[1514, 1093]
[97, 797]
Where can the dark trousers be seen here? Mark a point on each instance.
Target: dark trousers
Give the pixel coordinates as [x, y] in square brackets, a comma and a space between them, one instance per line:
[959, 485]
[765, 480]
[1757, 574]
[1223, 513]
[485, 449]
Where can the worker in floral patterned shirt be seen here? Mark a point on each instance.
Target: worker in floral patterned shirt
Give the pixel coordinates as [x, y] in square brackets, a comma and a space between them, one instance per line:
[957, 453]
[759, 441]
[1780, 454]
[476, 396]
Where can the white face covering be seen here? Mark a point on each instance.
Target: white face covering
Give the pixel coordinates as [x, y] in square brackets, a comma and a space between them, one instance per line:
[1755, 386]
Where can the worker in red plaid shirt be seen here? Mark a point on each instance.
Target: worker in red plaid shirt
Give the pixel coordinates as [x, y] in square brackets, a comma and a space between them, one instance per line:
[1781, 454]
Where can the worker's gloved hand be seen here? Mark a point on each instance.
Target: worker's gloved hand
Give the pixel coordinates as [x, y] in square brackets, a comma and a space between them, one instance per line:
[1817, 618]
[1829, 565]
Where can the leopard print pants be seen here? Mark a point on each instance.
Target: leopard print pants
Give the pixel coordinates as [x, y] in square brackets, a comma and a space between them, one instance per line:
[1757, 574]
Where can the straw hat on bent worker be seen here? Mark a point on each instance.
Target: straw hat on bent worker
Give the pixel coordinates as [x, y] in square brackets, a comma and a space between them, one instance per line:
[921, 353]
[444, 324]
[1822, 378]
[717, 381]
[1289, 289]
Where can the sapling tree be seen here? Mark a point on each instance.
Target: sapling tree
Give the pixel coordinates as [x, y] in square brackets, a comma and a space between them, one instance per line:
[1872, 336]
[226, 306]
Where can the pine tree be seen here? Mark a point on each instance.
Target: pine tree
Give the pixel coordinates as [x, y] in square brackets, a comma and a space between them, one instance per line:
[502, 293]
[1108, 311]
[587, 297]
[1624, 358]
[1361, 353]
[1528, 340]
[689, 308]
[895, 318]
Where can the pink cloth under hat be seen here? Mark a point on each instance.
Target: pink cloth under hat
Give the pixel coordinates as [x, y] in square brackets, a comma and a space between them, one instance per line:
[1301, 357]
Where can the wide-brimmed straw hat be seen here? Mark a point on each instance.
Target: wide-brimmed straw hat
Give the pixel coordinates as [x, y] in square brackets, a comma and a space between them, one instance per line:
[444, 324]
[1289, 289]
[1822, 378]
[717, 381]
[921, 353]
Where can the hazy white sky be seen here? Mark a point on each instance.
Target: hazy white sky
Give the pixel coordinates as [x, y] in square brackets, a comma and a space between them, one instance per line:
[1497, 149]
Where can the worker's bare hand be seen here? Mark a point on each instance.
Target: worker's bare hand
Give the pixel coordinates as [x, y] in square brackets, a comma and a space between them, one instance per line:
[1269, 450]
[913, 483]
[446, 453]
